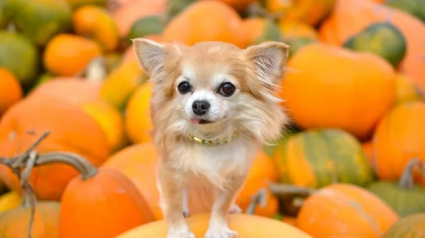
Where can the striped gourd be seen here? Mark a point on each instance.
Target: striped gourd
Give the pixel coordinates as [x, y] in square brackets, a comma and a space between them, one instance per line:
[316, 158]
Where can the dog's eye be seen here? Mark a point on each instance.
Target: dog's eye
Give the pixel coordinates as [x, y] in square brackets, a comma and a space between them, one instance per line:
[227, 89]
[184, 87]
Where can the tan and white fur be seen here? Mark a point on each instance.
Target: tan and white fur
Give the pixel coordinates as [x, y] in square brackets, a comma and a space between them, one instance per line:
[252, 111]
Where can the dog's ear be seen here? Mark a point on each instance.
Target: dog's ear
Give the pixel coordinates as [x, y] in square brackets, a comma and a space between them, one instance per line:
[269, 59]
[150, 54]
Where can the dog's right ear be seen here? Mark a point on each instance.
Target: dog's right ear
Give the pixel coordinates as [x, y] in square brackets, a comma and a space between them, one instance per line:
[151, 55]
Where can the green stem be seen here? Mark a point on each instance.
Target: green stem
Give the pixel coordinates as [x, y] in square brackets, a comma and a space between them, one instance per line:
[406, 179]
[285, 189]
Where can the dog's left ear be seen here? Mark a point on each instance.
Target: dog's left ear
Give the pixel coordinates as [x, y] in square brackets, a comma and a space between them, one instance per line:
[269, 59]
[151, 55]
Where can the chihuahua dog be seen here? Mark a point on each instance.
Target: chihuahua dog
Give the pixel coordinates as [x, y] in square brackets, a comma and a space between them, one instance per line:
[213, 106]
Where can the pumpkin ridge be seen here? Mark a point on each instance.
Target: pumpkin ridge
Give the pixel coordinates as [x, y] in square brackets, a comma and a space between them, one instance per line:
[356, 206]
[314, 158]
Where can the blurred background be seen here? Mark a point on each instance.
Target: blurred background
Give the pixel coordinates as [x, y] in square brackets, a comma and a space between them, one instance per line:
[351, 164]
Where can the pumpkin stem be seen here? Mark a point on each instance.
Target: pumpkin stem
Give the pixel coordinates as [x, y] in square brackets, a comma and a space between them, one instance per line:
[406, 179]
[258, 198]
[285, 189]
[29, 199]
[82, 165]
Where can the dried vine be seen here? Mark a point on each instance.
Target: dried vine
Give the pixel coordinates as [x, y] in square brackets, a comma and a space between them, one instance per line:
[22, 165]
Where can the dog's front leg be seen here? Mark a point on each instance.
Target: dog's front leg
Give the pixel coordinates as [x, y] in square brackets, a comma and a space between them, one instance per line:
[218, 227]
[172, 185]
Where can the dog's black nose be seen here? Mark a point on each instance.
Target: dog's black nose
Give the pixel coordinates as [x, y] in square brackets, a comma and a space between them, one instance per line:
[200, 107]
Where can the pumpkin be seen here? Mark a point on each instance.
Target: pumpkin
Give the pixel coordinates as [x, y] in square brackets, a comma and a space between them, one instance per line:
[345, 210]
[14, 223]
[74, 90]
[138, 122]
[26, 68]
[71, 129]
[9, 201]
[415, 8]
[326, 89]
[68, 55]
[316, 158]
[138, 162]
[297, 34]
[10, 90]
[247, 226]
[262, 172]
[108, 195]
[345, 22]
[206, 20]
[110, 119]
[259, 29]
[406, 90]
[411, 226]
[399, 137]
[39, 20]
[131, 11]
[309, 11]
[121, 83]
[290, 220]
[381, 38]
[97, 23]
[404, 196]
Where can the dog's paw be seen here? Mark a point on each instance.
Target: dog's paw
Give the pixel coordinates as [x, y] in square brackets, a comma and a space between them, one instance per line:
[186, 213]
[180, 233]
[220, 232]
[235, 209]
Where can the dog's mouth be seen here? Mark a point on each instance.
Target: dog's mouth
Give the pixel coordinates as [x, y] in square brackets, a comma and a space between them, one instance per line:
[200, 121]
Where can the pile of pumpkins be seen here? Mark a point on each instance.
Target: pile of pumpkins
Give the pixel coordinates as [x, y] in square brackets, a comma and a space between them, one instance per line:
[352, 163]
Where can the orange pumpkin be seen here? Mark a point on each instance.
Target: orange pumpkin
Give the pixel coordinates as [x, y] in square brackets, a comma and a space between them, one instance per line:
[138, 162]
[14, 223]
[326, 89]
[97, 23]
[247, 226]
[10, 90]
[67, 55]
[74, 90]
[72, 130]
[369, 151]
[259, 29]
[345, 22]
[111, 205]
[399, 137]
[345, 210]
[206, 20]
[110, 119]
[138, 123]
[131, 11]
[309, 11]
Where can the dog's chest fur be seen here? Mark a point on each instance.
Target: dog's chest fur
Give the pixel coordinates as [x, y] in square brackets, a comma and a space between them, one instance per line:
[213, 164]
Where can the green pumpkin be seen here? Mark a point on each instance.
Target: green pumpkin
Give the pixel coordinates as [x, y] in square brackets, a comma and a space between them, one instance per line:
[412, 226]
[19, 55]
[316, 158]
[383, 39]
[38, 20]
[415, 8]
[404, 196]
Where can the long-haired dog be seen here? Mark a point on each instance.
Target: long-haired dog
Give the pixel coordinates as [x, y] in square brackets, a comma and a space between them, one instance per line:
[213, 106]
